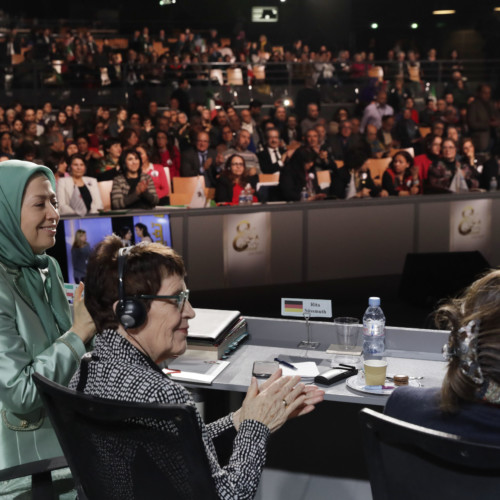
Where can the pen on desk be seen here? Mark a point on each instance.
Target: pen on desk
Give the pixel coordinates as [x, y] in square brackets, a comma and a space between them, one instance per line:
[285, 363]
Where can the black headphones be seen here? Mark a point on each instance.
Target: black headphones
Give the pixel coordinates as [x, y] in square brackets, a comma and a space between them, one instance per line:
[131, 313]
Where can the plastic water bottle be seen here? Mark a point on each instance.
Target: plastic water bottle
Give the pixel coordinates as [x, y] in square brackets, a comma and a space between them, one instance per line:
[248, 194]
[304, 195]
[493, 184]
[242, 198]
[373, 330]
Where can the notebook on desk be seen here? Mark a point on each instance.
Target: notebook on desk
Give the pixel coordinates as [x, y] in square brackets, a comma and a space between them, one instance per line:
[194, 370]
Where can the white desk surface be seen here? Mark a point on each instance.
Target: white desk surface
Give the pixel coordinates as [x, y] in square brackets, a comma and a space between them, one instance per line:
[423, 358]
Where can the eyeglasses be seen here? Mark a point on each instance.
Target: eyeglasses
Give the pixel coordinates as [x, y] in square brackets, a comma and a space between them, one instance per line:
[181, 298]
[238, 164]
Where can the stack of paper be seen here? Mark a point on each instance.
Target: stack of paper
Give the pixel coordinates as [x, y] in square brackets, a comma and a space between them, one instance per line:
[213, 333]
[307, 370]
[194, 370]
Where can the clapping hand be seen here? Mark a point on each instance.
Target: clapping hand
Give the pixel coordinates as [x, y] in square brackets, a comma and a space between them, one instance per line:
[142, 186]
[277, 400]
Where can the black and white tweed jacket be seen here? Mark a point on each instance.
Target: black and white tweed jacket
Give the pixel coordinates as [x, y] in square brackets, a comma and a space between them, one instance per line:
[120, 371]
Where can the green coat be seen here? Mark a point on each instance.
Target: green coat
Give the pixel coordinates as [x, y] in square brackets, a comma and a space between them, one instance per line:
[26, 434]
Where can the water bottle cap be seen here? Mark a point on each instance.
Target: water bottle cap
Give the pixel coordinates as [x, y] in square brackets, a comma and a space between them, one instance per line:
[374, 301]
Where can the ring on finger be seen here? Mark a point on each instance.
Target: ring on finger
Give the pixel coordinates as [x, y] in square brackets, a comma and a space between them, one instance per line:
[285, 403]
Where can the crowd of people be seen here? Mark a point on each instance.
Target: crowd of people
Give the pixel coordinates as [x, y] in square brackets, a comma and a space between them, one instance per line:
[434, 150]
[436, 145]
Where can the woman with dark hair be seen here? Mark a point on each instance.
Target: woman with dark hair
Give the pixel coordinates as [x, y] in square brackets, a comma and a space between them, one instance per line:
[401, 177]
[125, 234]
[119, 122]
[65, 125]
[78, 194]
[233, 180]
[165, 153]
[127, 355]
[57, 163]
[354, 180]
[468, 403]
[142, 233]
[6, 148]
[432, 151]
[157, 173]
[133, 188]
[129, 139]
[299, 175]
[449, 175]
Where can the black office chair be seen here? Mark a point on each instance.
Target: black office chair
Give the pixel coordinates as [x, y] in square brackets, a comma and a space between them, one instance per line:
[115, 449]
[41, 477]
[410, 462]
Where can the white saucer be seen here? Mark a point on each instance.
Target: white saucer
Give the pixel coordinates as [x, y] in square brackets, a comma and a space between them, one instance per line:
[357, 384]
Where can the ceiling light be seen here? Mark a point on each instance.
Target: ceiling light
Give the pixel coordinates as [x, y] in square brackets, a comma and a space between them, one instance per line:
[443, 12]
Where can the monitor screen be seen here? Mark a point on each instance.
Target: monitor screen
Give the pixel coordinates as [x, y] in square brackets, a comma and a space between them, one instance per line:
[96, 229]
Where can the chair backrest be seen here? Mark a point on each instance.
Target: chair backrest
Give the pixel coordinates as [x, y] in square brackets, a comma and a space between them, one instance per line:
[178, 199]
[234, 76]
[424, 131]
[118, 449]
[376, 72]
[324, 178]
[105, 188]
[41, 477]
[415, 463]
[187, 185]
[259, 71]
[217, 75]
[209, 194]
[274, 177]
[169, 180]
[377, 167]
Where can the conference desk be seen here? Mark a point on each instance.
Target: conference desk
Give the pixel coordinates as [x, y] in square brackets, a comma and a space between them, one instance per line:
[329, 436]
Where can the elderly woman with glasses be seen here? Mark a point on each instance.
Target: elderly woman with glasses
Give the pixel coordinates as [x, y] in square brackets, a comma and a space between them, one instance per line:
[449, 175]
[139, 301]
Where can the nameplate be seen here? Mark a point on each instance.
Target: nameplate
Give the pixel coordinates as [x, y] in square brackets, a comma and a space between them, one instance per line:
[306, 307]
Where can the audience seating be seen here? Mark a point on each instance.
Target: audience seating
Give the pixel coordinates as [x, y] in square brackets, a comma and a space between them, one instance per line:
[169, 180]
[377, 167]
[376, 72]
[415, 463]
[178, 199]
[217, 75]
[234, 76]
[259, 71]
[105, 188]
[209, 194]
[274, 177]
[187, 185]
[324, 178]
[113, 455]
[424, 131]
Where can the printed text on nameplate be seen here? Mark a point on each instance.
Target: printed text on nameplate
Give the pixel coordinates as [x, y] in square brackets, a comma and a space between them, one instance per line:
[312, 308]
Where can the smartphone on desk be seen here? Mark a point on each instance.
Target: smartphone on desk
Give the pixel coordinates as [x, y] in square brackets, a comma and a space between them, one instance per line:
[264, 369]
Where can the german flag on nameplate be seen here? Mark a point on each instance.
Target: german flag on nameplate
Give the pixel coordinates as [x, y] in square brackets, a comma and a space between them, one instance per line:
[294, 306]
